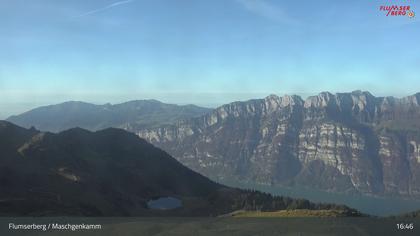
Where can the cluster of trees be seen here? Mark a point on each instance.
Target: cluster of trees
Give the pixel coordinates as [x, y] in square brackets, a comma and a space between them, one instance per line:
[415, 214]
[251, 200]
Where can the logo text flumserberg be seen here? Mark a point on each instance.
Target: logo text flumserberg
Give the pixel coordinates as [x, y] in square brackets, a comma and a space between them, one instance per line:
[13, 226]
[74, 227]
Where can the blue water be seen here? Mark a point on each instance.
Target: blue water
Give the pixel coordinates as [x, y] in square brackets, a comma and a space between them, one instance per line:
[164, 203]
[379, 206]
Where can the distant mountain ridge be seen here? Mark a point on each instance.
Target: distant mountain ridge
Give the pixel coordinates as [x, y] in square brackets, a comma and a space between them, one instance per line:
[345, 142]
[132, 115]
[112, 173]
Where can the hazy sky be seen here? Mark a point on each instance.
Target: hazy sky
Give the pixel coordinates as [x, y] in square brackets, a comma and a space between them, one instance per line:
[201, 51]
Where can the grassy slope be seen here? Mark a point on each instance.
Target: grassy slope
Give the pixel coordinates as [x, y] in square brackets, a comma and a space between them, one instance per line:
[292, 213]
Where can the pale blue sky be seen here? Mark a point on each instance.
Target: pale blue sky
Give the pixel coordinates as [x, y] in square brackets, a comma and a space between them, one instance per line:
[205, 52]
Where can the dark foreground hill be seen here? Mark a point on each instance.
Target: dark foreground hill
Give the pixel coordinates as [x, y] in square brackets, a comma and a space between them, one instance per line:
[111, 173]
[131, 116]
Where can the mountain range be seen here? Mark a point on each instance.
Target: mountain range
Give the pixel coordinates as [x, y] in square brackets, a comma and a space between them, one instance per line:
[131, 116]
[112, 173]
[345, 142]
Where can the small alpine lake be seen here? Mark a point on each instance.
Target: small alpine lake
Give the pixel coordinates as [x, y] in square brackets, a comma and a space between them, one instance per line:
[164, 203]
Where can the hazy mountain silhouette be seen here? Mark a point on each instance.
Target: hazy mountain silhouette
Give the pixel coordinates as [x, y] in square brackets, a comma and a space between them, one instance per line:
[132, 115]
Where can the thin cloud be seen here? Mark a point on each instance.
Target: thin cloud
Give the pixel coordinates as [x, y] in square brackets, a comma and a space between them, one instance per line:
[267, 10]
[115, 4]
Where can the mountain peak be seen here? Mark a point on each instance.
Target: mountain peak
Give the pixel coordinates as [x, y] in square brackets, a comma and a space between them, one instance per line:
[290, 100]
[274, 102]
[360, 93]
[272, 97]
[6, 125]
[323, 99]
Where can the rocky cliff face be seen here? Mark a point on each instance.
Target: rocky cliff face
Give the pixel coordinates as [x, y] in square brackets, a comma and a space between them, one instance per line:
[345, 142]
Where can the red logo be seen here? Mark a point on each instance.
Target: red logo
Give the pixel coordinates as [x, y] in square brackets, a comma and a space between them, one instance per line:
[396, 10]
[410, 14]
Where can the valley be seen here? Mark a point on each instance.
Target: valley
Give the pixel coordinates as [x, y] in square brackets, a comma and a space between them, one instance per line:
[347, 148]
